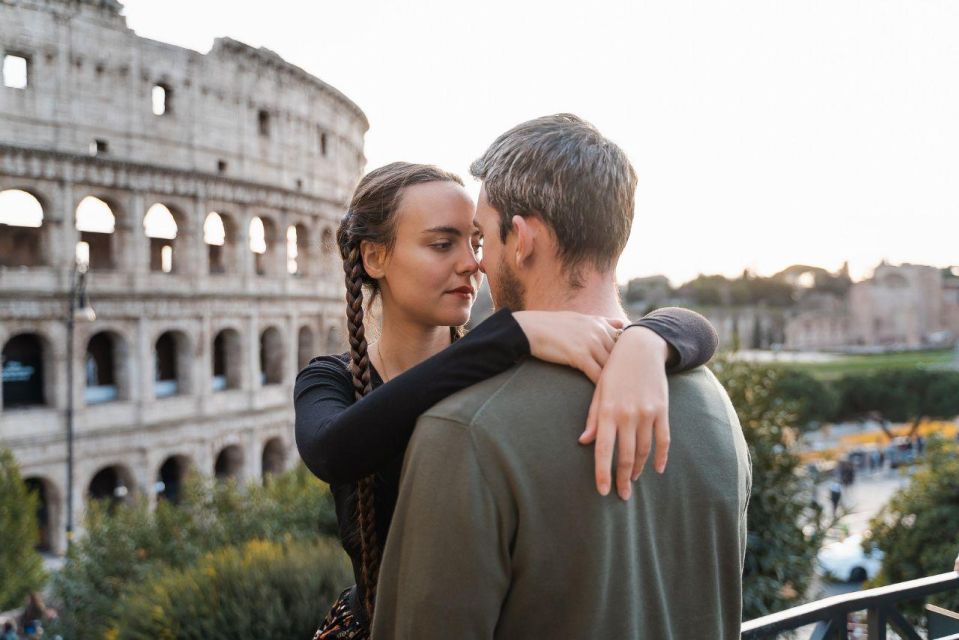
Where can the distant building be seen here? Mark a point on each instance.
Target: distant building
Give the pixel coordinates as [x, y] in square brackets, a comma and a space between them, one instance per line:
[203, 191]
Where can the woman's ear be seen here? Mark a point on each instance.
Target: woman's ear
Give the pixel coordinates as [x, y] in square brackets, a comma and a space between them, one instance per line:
[374, 258]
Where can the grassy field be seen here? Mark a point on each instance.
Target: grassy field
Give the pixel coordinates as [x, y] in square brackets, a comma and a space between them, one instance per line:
[870, 363]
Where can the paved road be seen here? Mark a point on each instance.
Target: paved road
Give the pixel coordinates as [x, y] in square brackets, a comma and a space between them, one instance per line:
[862, 500]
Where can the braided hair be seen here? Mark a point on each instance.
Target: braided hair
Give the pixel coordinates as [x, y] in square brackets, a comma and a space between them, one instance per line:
[371, 217]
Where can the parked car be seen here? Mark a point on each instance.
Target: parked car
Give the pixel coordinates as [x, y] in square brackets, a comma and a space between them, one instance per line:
[846, 561]
[900, 452]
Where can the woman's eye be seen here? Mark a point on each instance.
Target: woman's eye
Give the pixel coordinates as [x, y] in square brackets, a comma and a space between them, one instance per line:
[442, 246]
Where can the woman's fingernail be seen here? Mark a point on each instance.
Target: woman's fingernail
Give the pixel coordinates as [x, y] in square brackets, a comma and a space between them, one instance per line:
[603, 489]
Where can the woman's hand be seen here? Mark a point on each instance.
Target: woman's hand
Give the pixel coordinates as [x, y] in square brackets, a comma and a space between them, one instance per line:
[569, 338]
[630, 409]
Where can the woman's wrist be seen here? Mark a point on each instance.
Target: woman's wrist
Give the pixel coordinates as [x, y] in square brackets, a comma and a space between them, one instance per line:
[638, 334]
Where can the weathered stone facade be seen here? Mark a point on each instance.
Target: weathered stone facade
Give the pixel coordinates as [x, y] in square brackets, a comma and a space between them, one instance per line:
[192, 355]
[900, 307]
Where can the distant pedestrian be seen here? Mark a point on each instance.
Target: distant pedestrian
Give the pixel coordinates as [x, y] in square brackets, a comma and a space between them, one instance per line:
[835, 494]
[8, 632]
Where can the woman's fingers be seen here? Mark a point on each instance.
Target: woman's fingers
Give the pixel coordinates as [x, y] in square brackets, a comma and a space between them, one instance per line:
[590, 433]
[644, 441]
[662, 441]
[603, 453]
[624, 462]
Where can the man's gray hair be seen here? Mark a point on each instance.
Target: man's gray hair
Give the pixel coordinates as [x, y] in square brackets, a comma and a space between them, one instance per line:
[561, 169]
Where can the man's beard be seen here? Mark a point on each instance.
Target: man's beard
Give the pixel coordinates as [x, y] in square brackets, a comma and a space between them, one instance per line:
[506, 289]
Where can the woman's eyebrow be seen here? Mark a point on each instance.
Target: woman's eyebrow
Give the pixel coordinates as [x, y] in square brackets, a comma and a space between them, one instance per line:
[450, 230]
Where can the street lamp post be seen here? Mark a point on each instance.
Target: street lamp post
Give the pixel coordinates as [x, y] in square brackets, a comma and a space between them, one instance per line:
[79, 309]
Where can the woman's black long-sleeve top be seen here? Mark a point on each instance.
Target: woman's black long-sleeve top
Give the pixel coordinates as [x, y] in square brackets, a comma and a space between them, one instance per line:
[342, 440]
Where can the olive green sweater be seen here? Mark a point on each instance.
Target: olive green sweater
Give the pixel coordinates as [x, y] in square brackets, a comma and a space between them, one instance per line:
[499, 531]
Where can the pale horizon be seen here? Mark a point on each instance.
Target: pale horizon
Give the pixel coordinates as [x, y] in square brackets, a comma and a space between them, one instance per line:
[764, 134]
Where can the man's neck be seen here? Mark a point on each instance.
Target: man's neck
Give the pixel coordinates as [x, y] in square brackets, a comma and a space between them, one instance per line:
[598, 295]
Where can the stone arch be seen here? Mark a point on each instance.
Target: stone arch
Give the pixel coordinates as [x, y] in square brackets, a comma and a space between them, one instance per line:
[170, 477]
[227, 356]
[304, 346]
[172, 358]
[49, 511]
[105, 363]
[298, 253]
[220, 238]
[114, 483]
[229, 463]
[21, 229]
[96, 226]
[162, 224]
[328, 248]
[335, 340]
[25, 359]
[271, 356]
[274, 457]
[262, 234]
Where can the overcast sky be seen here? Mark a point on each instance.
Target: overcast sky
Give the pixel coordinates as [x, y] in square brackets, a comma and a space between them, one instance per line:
[765, 132]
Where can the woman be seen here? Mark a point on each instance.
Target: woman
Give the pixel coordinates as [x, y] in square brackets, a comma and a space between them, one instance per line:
[409, 239]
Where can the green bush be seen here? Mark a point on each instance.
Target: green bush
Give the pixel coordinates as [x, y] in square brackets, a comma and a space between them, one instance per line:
[131, 544]
[780, 555]
[918, 529]
[21, 568]
[260, 589]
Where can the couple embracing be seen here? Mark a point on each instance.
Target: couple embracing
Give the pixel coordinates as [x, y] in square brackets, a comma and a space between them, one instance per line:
[490, 484]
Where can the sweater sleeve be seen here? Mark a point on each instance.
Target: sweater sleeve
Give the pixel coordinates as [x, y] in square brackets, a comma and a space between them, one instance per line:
[341, 440]
[691, 336]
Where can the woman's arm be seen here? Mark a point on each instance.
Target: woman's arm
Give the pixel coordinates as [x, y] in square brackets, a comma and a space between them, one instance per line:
[342, 441]
[630, 407]
[690, 336]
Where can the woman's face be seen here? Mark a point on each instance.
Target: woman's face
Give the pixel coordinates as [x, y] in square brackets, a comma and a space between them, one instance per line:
[432, 273]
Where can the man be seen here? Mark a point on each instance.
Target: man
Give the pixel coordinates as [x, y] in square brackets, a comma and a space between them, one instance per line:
[498, 532]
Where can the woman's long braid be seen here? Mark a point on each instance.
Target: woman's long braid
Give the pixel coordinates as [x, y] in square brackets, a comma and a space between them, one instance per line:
[371, 218]
[360, 368]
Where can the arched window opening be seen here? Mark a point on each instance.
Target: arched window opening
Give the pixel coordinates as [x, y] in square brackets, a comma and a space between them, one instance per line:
[271, 357]
[161, 228]
[229, 463]
[274, 458]
[21, 221]
[100, 368]
[96, 223]
[227, 360]
[23, 384]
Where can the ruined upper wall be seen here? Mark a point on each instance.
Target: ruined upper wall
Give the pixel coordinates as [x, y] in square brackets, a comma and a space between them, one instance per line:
[237, 111]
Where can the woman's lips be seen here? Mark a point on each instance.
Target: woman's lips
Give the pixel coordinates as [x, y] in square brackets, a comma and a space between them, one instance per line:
[464, 292]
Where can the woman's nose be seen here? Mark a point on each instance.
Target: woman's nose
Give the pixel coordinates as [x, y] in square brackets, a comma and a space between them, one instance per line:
[469, 262]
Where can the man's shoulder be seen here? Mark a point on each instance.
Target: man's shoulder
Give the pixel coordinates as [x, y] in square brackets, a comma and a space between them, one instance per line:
[526, 386]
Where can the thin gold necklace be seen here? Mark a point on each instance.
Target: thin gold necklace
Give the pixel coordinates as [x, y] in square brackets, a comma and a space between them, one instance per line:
[386, 377]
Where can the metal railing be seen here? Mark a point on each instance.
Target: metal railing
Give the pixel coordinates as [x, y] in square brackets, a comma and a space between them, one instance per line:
[831, 615]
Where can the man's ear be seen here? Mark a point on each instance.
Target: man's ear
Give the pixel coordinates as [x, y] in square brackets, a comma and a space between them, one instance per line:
[374, 258]
[526, 230]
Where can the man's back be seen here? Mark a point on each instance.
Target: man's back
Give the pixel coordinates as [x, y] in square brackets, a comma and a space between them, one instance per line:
[499, 531]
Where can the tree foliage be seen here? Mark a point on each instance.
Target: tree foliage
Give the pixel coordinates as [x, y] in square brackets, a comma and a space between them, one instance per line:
[900, 395]
[21, 568]
[780, 555]
[815, 401]
[130, 544]
[259, 589]
[918, 530]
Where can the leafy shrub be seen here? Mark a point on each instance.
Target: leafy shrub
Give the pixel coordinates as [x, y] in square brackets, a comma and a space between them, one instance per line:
[130, 544]
[21, 568]
[259, 589]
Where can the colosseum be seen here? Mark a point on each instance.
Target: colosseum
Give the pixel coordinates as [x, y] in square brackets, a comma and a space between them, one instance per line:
[166, 262]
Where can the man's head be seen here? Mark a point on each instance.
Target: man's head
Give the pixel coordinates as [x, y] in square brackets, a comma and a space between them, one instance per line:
[556, 205]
